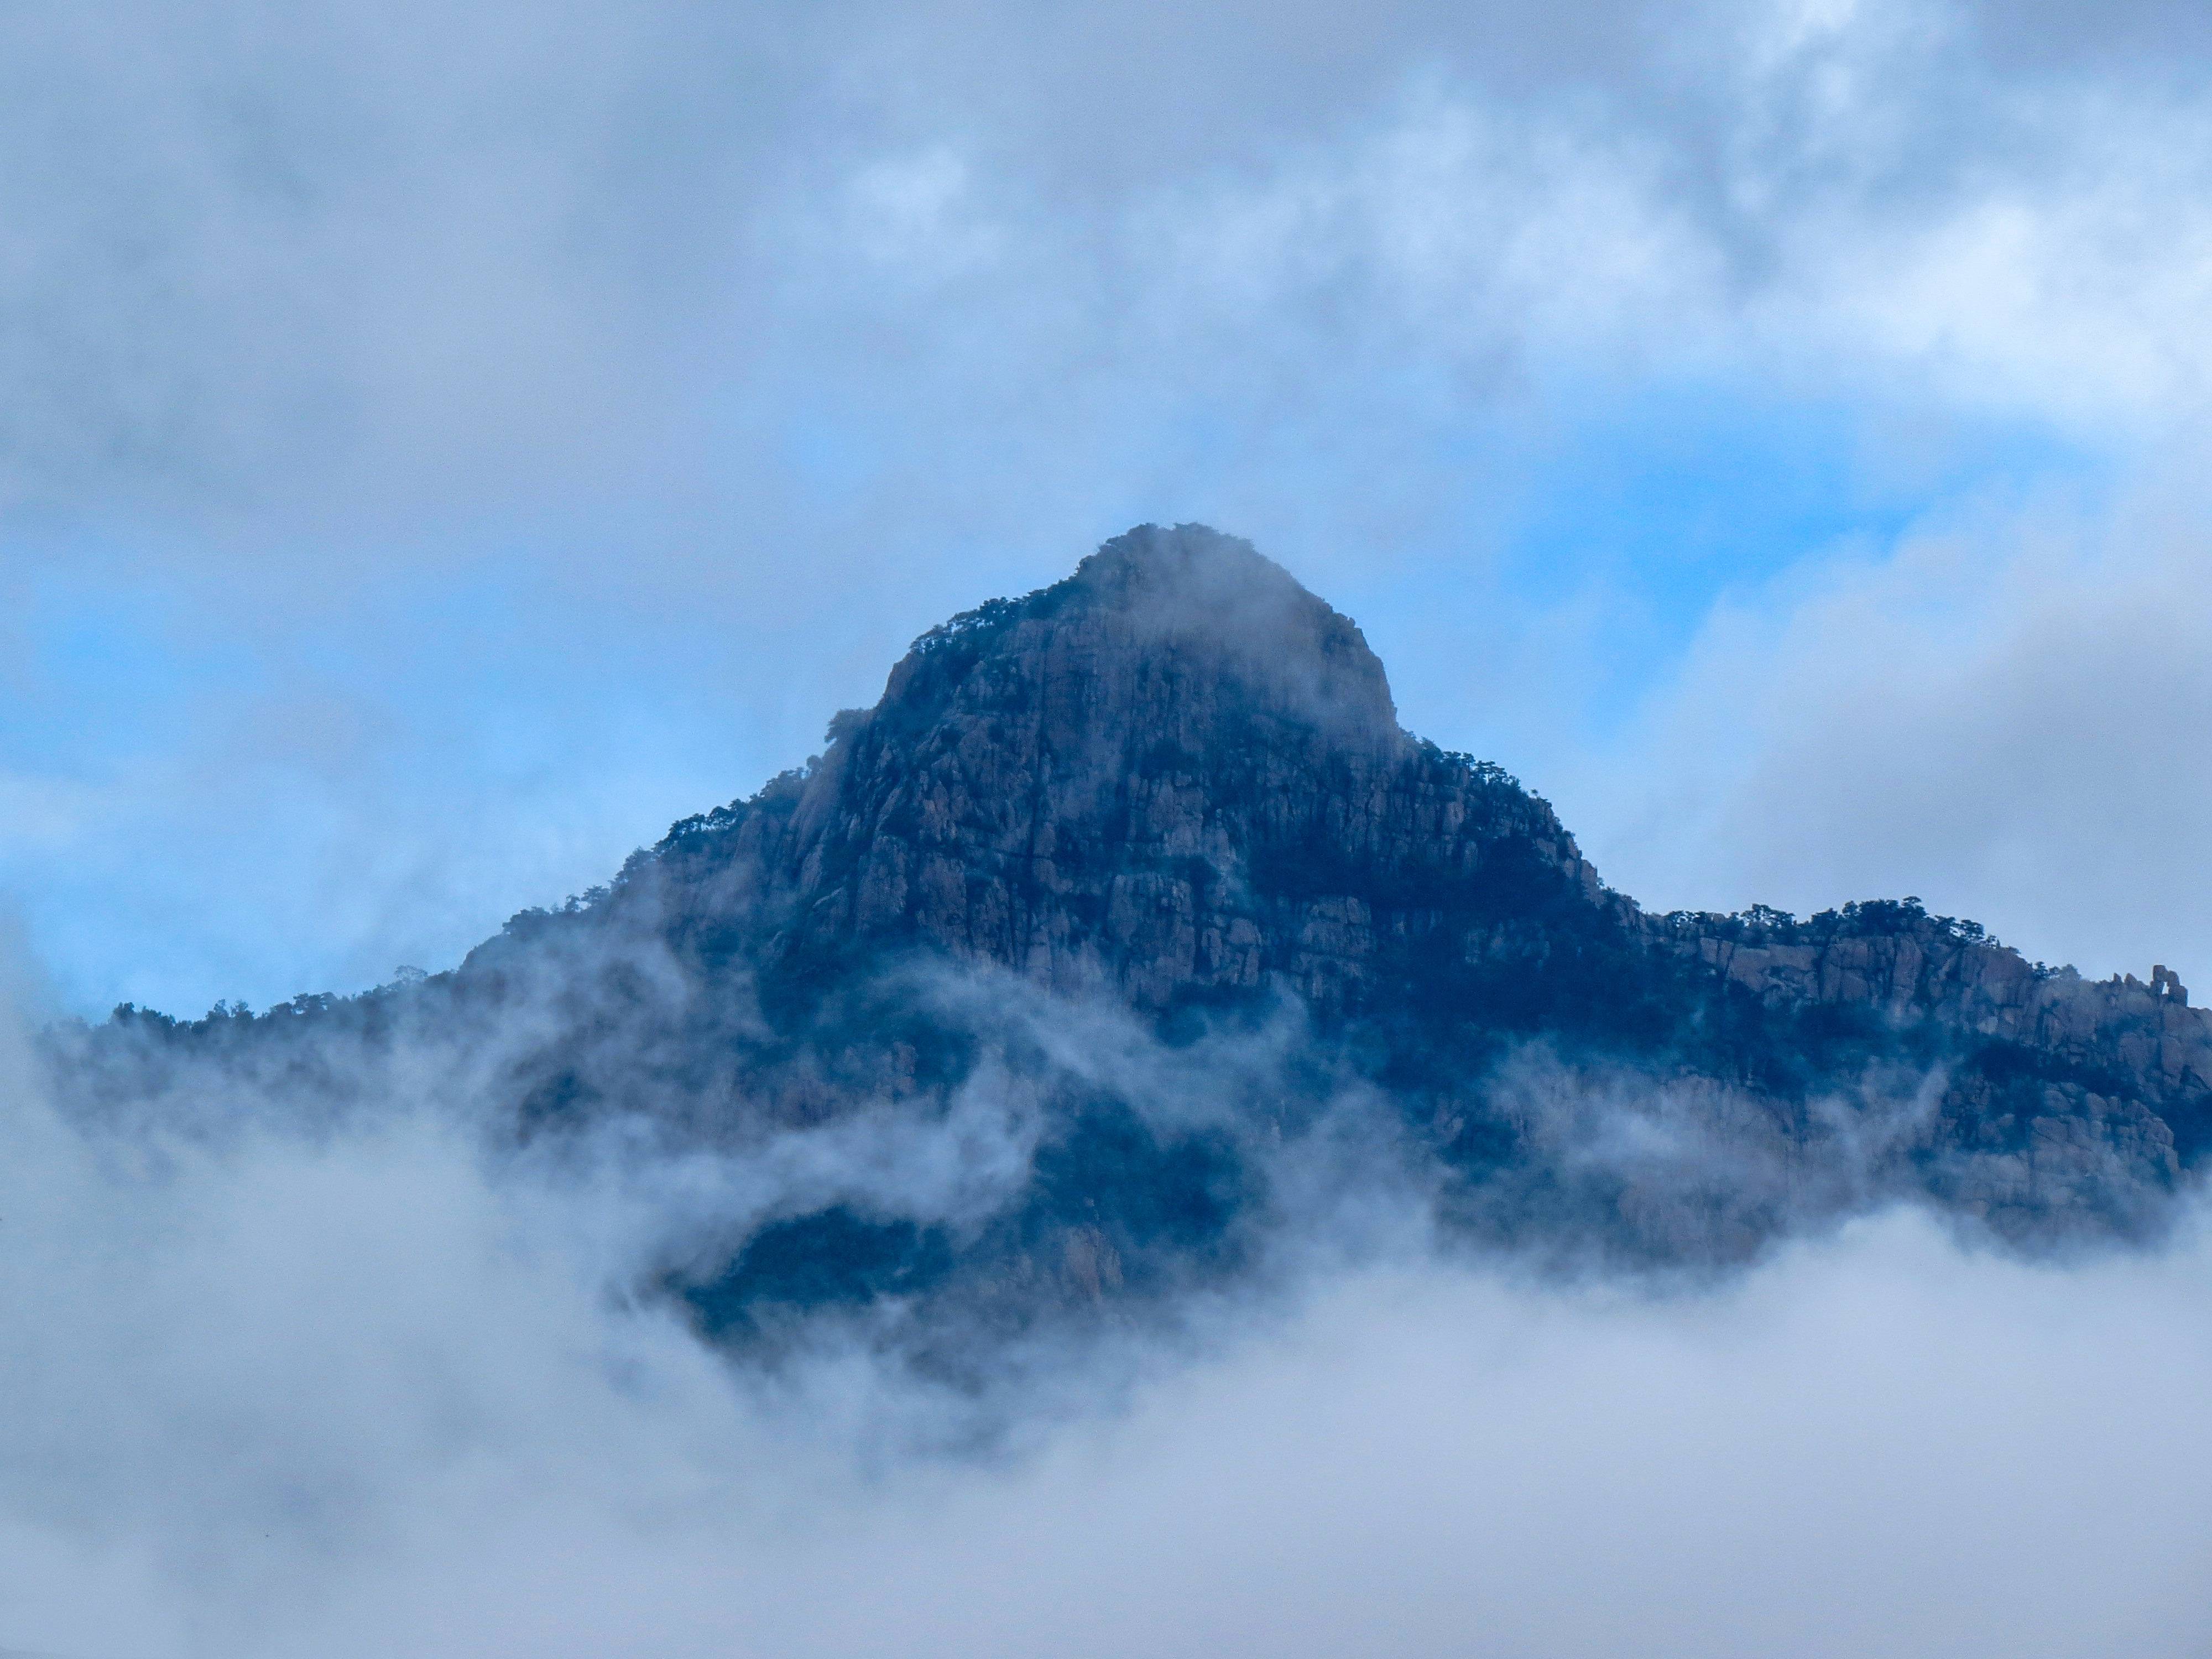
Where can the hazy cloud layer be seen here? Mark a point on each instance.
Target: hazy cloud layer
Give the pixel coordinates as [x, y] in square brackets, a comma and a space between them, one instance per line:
[360, 1389]
[2005, 715]
[352, 260]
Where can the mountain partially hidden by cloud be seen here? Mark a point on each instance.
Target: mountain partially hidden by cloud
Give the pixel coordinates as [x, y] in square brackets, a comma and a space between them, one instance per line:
[1125, 1113]
[1132, 887]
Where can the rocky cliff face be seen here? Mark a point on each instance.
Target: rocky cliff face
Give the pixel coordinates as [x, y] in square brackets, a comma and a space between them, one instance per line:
[1168, 800]
[2061, 1093]
[1176, 776]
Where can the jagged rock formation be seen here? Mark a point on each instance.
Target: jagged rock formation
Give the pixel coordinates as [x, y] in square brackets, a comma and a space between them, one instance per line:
[1173, 788]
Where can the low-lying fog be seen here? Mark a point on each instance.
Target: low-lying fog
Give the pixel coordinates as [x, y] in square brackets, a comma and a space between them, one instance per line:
[365, 1391]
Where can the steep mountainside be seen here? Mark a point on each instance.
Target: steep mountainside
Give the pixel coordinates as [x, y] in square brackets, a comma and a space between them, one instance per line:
[1149, 850]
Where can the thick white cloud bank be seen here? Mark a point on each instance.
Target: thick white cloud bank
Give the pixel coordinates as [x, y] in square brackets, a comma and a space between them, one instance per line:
[356, 1391]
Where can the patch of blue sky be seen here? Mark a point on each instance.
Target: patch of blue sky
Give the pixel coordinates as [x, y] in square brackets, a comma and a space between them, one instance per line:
[830, 453]
[104, 667]
[1649, 514]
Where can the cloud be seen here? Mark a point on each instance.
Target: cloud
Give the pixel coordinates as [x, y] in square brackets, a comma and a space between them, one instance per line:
[528, 428]
[366, 250]
[2003, 715]
[356, 1387]
[297, 1369]
[524, 425]
[361, 263]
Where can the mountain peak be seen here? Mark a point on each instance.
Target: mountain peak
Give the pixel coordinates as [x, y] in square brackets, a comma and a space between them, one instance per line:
[1184, 562]
[1170, 617]
[1167, 797]
[1171, 775]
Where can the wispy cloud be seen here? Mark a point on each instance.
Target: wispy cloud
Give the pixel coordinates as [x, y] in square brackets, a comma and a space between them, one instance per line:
[357, 1386]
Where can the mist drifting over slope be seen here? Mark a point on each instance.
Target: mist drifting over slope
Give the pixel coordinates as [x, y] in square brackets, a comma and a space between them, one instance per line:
[364, 1390]
[412, 418]
[1128, 1151]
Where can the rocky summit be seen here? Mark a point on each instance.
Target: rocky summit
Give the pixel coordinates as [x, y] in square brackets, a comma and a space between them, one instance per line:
[1134, 894]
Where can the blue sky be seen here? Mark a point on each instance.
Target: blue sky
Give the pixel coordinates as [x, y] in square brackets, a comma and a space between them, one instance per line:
[442, 451]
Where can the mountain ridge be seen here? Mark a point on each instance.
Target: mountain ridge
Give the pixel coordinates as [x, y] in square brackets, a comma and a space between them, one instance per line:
[1172, 788]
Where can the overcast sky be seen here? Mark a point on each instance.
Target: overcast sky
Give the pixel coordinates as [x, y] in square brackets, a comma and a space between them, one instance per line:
[441, 445]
